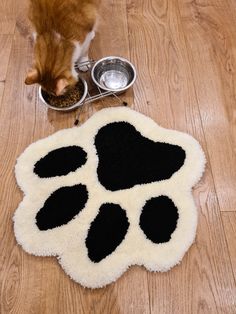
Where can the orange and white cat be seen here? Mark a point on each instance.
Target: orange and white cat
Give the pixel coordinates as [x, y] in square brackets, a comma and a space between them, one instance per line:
[63, 32]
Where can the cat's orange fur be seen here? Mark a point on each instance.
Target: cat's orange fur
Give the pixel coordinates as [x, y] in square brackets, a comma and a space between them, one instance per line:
[59, 25]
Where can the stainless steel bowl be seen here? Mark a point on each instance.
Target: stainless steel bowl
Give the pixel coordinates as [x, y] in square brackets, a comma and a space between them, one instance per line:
[114, 74]
[69, 108]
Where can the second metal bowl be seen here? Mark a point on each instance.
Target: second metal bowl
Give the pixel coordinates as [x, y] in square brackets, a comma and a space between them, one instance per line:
[114, 74]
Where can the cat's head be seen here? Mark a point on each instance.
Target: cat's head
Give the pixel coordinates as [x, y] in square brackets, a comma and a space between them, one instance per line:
[53, 65]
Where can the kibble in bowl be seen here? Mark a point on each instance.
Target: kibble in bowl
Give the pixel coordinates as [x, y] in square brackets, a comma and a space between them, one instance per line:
[71, 100]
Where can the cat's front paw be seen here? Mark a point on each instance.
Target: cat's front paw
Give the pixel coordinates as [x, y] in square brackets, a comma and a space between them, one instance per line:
[83, 64]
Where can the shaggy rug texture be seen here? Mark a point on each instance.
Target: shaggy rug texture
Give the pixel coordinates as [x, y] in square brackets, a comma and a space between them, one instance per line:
[114, 192]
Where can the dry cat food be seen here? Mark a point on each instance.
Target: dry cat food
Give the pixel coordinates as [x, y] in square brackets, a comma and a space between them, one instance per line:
[67, 100]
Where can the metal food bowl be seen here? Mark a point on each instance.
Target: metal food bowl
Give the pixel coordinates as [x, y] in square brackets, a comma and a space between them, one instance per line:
[68, 108]
[114, 74]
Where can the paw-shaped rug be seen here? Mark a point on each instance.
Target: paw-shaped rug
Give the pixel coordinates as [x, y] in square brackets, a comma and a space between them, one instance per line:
[109, 194]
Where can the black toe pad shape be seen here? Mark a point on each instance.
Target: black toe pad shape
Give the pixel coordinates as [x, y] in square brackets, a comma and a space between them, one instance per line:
[159, 219]
[60, 162]
[107, 231]
[62, 206]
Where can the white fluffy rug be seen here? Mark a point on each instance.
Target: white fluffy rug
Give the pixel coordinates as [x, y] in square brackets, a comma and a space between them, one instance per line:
[109, 194]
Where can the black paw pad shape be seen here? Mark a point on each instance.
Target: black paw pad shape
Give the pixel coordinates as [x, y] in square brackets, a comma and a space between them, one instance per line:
[109, 194]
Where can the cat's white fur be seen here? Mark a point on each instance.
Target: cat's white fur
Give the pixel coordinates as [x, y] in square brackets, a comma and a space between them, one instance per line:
[81, 52]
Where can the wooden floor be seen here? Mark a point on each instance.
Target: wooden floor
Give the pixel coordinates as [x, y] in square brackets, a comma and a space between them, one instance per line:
[185, 53]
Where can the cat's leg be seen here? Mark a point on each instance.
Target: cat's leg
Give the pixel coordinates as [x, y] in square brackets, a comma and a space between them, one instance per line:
[84, 51]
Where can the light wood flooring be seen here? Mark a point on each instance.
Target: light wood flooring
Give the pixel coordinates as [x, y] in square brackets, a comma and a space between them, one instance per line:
[185, 54]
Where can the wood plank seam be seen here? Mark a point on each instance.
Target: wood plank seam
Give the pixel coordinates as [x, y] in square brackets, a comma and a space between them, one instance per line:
[227, 244]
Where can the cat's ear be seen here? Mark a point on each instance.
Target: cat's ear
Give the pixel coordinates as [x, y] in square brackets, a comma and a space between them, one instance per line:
[62, 83]
[32, 77]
